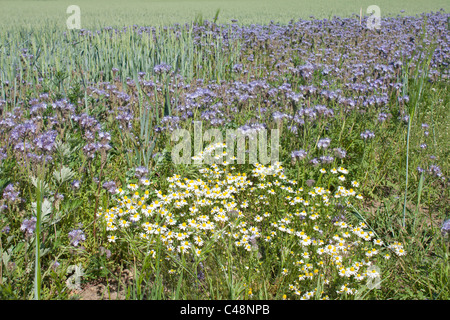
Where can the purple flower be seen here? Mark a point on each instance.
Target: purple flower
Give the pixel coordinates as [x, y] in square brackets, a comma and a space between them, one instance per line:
[76, 236]
[46, 141]
[110, 186]
[9, 194]
[23, 146]
[90, 149]
[76, 184]
[299, 154]
[123, 96]
[314, 161]
[104, 137]
[87, 122]
[200, 273]
[324, 143]
[125, 118]
[338, 218]
[340, 153]
[435, 170]
[237, 67]
[382, 117]
[367, 135]
[28, 225]
[293, 129]
[445, 227]
[162, 68]
[251, 129]
[140, 172]
[326, 159]
[55, 265]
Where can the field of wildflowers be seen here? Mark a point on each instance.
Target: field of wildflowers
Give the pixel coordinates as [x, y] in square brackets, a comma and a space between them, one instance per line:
[356, 205]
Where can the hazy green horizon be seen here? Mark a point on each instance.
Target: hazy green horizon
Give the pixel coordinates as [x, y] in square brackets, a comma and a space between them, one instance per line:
[98, 14]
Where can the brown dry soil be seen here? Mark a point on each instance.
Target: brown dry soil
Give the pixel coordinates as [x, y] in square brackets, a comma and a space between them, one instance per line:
[98, 290]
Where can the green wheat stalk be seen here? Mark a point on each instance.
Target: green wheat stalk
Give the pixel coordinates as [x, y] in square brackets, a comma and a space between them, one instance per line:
[37, 275]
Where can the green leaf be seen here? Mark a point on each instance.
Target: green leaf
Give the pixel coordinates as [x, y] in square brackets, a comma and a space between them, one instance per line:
[42, 184]
[46, 210]
[63, 175]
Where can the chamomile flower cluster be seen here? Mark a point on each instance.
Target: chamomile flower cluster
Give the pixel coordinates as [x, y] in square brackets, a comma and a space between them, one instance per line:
[256, 212]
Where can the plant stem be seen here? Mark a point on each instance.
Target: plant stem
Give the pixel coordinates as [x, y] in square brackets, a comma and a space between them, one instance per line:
[407, 162]
[37, 276]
